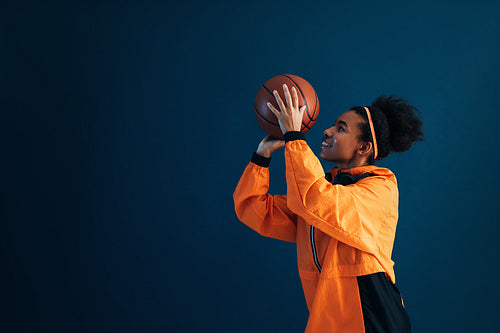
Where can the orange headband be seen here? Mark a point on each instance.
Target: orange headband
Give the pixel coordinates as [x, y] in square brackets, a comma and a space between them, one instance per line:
[373, 133]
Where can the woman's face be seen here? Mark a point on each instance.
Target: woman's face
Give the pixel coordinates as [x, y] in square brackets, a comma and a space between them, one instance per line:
[341, 142]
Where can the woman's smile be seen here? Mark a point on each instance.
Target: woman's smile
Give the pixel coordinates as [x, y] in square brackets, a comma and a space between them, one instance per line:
[326, 143]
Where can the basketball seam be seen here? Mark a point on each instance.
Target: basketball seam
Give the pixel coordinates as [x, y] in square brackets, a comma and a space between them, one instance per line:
[315, 105]
[270, 122]
[269, 91]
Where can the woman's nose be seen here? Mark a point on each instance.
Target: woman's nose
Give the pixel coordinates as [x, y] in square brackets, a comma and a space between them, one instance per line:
[327, 132]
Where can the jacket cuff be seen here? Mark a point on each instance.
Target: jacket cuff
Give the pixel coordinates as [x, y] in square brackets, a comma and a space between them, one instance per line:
[261, 160]
[294, 135]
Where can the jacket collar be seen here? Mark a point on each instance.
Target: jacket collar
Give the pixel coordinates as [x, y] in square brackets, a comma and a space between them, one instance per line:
[356, 171]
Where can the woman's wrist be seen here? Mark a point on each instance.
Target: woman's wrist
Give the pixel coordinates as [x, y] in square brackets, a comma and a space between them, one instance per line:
[294, 135]
[264, 153]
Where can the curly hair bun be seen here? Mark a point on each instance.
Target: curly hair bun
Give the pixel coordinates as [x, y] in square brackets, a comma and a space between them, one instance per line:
[405, 125]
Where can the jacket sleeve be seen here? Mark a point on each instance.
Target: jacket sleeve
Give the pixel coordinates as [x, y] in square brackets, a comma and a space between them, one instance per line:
[267, 214]
[353, 214]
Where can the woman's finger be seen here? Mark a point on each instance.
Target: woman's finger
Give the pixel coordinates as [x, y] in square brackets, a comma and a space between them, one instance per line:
[288, 96]
[295, 98]
[302, 110]
[273, 109]
[280, 101]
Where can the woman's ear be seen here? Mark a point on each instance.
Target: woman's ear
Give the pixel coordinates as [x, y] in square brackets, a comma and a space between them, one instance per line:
[365, 148]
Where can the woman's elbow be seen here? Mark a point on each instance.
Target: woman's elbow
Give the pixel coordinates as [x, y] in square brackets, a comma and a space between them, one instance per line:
[295, 205]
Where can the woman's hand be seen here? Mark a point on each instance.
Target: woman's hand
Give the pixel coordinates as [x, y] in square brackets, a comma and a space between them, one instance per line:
[268, 145]
[290, 117]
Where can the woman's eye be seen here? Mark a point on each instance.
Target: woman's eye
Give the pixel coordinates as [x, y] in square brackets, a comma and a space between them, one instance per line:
[341, 129]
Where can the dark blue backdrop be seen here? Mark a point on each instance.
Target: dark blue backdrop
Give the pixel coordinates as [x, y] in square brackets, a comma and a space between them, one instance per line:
[126, 126]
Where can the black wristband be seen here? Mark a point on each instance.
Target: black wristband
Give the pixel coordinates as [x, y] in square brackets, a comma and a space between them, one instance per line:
[261, 160]
[294, 135]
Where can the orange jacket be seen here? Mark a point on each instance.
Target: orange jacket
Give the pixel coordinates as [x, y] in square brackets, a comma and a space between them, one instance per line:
[353, 234]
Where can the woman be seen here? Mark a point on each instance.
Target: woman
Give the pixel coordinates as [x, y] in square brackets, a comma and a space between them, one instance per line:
[343, 223]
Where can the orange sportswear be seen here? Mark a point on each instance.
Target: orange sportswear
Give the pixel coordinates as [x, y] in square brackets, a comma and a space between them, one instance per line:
[342, 232]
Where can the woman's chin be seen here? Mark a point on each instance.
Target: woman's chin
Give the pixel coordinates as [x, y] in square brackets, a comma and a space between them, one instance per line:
[323, 157]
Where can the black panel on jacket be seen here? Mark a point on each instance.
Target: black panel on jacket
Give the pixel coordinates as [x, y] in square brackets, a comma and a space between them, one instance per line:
[382, 306]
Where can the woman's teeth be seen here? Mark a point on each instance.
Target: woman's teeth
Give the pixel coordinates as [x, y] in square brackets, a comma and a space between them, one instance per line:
[325, 144]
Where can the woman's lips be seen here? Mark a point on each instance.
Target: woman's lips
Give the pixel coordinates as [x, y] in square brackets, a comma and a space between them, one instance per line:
[325, 144]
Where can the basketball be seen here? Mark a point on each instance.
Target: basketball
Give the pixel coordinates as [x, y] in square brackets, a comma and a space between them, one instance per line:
[307, 97]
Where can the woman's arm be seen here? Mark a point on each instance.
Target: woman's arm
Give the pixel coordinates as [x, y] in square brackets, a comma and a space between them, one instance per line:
[267, 214]
[352, 214]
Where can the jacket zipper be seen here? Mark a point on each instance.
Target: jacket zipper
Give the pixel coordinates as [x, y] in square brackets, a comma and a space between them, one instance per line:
[313, 246]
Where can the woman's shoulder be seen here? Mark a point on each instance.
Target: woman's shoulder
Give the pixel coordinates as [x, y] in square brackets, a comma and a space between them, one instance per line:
[367, 174]
[384, 177]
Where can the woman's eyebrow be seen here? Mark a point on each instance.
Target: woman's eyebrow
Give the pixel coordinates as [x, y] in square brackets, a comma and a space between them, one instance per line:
[341, 122]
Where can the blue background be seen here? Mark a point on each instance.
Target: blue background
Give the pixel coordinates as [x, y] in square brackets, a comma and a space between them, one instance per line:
[126, 126]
